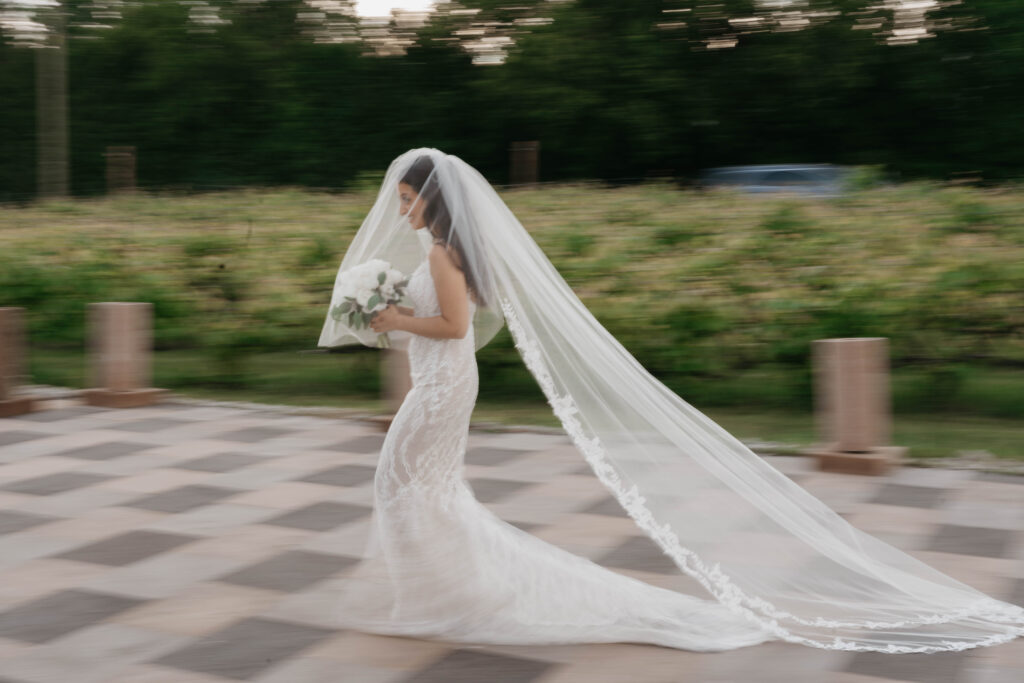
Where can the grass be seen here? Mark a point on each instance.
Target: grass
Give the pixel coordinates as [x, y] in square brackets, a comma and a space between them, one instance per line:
[717, 294]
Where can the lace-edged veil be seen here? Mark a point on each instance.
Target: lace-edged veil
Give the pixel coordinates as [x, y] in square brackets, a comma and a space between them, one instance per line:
[386, 234]
[754, 539]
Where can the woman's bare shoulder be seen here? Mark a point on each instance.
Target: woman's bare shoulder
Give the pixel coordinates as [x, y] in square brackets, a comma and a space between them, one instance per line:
[448, 259]
[443, 256]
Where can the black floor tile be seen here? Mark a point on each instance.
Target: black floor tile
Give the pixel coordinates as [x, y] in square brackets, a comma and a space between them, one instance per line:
[1016, 596]
[181, 499]
[342, 475]
[491, 490]
[606, 506]
[910, 496]
[290, 571]
[320, 516]
[16, 436]
[221, 462]
[13, 520]
[252, 434]
[482, 455]
[467, 666]
[58, 482]
[105, 451]
[935, 667]
[245, 649]
[1017, 593]
[640, 553]
[1000, 478]
[970, 540]
[127, 548]
[150, 424]
[61, 414]
[60, 613]
[369, 443]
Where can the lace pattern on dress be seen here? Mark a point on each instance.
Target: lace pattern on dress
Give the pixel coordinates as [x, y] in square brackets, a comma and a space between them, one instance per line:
[444, 375]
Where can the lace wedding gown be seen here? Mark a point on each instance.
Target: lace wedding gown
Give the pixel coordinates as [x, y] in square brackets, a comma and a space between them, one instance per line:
[441, 565]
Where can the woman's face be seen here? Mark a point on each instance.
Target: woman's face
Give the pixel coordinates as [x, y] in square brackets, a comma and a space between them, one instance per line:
[408, 206]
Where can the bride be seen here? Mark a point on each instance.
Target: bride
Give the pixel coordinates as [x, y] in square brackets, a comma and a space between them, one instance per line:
[777, 563]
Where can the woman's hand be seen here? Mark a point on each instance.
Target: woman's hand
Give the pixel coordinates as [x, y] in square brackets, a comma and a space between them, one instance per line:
[387, 320]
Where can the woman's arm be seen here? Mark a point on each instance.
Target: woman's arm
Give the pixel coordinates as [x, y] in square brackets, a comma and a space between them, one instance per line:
[450, 285]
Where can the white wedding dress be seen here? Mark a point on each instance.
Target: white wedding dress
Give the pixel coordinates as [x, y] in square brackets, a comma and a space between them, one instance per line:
[440, 565]
[776, 562]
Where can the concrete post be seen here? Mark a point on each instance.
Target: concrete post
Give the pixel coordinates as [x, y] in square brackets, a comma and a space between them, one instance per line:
[524, 162]
[13, 370]
[121, 341]
[852, 406]
[120, 169]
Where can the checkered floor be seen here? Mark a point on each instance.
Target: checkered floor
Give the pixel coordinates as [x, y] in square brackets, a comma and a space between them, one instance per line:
[197, 542]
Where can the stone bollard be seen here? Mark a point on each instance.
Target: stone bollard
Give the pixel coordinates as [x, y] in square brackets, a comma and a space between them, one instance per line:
[121, 341]
[524, 162]
[396, 381]
[13, 372]
[852, 406]
[120, 169]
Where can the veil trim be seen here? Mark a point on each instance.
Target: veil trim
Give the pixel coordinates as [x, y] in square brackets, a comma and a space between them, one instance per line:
[712, 578]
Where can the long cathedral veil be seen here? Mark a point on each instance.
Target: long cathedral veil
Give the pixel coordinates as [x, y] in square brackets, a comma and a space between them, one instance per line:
[754, 539]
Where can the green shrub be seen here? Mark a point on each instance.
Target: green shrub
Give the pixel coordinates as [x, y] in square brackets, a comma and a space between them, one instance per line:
[578, 243]
[969, 214]
[209, 245]
[627, 215]
[318, 252]
[938, 388]
[675, 234]
[865, 177]
[787, 220]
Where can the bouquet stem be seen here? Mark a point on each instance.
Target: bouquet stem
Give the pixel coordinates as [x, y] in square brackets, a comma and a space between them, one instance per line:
[383, 342]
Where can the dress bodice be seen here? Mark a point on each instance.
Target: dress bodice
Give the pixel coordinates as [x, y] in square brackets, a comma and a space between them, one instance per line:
[423, 294]
[431, 359]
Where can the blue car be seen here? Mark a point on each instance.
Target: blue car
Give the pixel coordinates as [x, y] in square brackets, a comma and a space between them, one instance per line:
[823, 180]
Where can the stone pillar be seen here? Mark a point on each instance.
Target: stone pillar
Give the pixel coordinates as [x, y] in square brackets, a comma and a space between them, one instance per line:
[120, 169]
[524, 162]
[121, 342]
[852, 406]
[396, 381]
[13, 371]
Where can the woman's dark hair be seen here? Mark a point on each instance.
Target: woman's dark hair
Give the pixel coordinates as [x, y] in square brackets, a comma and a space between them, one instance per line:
[421, 177]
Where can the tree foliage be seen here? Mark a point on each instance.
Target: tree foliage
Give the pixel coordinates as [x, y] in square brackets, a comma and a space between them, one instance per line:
[272, 93]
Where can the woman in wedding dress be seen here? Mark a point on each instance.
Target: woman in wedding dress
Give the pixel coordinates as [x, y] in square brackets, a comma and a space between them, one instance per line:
[777, 563]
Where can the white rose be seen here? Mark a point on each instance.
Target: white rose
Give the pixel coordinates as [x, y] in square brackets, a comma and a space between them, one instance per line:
[369, 279]
[363, 295]
[393, 276]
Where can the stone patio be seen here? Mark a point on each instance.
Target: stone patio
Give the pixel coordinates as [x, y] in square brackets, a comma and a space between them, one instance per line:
[193, 542]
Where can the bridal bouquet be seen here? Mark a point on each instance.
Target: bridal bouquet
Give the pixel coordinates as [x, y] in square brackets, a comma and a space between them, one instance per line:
[364, 290]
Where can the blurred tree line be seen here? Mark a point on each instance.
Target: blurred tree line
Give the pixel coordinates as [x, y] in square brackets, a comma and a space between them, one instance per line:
[230, 92]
